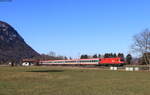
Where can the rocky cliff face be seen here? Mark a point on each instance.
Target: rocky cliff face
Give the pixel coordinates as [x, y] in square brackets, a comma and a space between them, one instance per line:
[12, 45]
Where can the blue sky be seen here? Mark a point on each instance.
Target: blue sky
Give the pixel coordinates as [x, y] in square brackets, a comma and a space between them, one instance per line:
[74, 27]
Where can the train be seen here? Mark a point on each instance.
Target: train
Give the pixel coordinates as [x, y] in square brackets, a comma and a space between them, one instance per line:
[117, 61]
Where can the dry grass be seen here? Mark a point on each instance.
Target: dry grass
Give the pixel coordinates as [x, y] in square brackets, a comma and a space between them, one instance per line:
[71, 81]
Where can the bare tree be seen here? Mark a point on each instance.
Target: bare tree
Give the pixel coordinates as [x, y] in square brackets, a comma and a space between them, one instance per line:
[141, 44]
[51, 53]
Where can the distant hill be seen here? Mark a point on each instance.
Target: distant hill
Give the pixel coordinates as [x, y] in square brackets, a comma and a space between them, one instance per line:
[12, 45]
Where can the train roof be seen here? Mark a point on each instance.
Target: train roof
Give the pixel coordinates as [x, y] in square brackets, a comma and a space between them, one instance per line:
[72, 59]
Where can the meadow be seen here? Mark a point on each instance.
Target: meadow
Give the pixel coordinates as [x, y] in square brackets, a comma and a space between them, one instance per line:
[71, 81]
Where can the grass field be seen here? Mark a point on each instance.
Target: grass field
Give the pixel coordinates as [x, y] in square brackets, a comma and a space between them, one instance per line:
[71, 81]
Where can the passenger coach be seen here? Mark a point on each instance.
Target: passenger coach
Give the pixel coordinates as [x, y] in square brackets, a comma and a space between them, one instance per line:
[71, 62]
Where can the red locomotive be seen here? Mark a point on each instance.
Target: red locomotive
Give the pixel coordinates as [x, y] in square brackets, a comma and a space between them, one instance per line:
[112, 61]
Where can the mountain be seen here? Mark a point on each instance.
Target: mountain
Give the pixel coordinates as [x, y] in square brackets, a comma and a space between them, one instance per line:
[12, 45]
